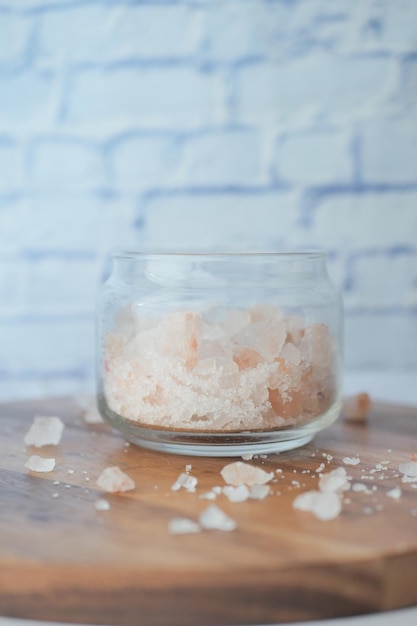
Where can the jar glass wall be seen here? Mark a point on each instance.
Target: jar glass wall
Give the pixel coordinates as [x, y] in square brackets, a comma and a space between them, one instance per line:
[219, 354]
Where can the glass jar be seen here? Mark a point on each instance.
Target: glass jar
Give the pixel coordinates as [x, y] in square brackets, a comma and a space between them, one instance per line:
[219, 354]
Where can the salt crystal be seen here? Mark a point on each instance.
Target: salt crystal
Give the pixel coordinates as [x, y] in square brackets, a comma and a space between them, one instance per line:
[214, 518]
[356, 408]
[188, 467]
[348, 460]
[217, 490]
[395, 493]
[91, 414]
[335, 481]
[56, 482]
[209, 495]
[247, 456]
[186, 481]
[36, 463]
[236, 494]
[70, 471]
[183, 526]
[101, 505]
[360, 487]
[44, 431]
[55, 494]
[113, 480]
[325, 506]
[259, 492]
[408, 469]
[239, 473]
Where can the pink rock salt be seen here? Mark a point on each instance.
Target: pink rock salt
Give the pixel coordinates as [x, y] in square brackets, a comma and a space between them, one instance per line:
[219, 370]
[113, 480]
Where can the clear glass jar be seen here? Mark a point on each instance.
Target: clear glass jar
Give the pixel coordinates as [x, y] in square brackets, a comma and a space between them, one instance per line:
[219, 354]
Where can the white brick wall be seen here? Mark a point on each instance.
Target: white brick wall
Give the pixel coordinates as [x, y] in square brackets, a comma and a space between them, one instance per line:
[174, 124]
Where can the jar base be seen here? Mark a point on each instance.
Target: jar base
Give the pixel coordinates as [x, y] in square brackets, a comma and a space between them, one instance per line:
[218, 444]
[221, 450]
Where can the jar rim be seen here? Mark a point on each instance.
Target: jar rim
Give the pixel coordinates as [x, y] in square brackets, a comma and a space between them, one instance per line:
[293, 255]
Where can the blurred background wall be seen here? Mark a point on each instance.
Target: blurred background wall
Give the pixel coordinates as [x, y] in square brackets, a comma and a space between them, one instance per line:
[172, 124]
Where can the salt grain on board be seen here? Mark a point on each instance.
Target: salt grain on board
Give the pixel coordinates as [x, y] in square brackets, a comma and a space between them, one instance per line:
[214, 518]
[395, 493]
[239, 473]
[236, 494]
[101, 505]
[348, 460]
[90, 410]
[186, 481]
[44, 431]
[409, 469]
[113, 480]
[183, 526]
[356, 408]
[325, 506]
[259, 492]
[335, 481]
[36, 463]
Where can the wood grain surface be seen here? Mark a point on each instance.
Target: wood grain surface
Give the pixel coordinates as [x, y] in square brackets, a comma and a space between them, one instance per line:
[61, 559]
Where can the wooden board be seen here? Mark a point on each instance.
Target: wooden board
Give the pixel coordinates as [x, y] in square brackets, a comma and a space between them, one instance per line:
[60, 559]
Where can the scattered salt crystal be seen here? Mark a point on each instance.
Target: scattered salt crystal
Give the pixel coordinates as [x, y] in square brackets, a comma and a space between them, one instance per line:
[44, 431]
[214, 518]
[56, 482]
[70, 471]
[247, 456]
[356, 408]
[101, 505]
[408, 469]
[395, 493]
[209, 495]
[236, 494]
[335, 481]
[360, 488]
[320, 468]
[325, 506]
[278, 471]
[68, 486]
[90, 410]
[55, 494]
[183, 526]
[259, 492]
[188, 467]
[217, 490]
[348, 460]
[186, 481]
[113, 480]
[239, 473]
[36, 463]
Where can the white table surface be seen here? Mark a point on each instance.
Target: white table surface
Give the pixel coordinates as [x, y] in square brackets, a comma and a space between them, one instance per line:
[393, 387]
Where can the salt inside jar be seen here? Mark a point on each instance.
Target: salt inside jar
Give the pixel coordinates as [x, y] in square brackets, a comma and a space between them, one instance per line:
[219, 354]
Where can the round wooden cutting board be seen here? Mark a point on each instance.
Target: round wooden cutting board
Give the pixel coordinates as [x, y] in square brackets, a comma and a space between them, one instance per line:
[61, 559]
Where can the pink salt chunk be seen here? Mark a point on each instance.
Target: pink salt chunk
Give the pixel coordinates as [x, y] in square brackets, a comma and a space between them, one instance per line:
[267, 337]
[239, 473]
[179, 335]
[357, 408]
[44, 431]
[113, 480]
[335, 481]
[214, 518]
[316, 345]
[36, 463]
[324, 506]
